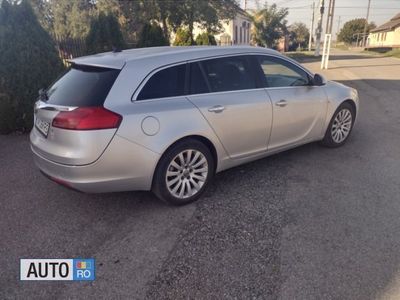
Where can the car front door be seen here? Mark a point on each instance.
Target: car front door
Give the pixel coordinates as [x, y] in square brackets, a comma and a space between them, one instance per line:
[237, 108]
[298, 107]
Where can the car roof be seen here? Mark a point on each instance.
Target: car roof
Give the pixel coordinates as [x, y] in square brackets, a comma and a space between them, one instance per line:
[117, 60]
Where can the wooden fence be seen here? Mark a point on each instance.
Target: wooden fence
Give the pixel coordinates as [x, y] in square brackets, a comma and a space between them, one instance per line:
[69, 48]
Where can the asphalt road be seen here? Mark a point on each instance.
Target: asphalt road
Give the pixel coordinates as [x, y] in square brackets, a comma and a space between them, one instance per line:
[310, 223]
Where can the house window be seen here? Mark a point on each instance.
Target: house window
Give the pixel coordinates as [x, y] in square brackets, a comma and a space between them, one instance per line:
[240, 34]
[236, 35]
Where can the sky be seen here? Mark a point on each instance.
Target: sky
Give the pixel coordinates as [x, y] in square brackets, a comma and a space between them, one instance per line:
[300, 10]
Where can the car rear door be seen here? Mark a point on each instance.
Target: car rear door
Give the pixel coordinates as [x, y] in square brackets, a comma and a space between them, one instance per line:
[227, 94]
[298, 107]
[71, 126]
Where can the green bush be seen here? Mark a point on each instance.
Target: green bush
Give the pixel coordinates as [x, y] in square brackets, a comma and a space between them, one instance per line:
[152, 35]
[183, 38]
[205, 39]
[104, 34]
[351, 29]
[7, 115]
[29, 61]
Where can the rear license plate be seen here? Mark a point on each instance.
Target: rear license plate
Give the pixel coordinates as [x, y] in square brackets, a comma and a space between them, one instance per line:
[42, 126]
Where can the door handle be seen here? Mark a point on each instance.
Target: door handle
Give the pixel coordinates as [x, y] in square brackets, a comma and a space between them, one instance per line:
[216, 109]
[281, 103]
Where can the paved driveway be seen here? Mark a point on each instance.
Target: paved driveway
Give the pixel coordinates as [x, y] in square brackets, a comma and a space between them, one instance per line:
[310, 223]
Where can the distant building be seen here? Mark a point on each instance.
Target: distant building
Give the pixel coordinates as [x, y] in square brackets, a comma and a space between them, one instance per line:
[387, 35]
[235, 31]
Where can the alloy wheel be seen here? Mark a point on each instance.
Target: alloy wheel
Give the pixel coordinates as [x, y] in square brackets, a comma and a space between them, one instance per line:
[341, 125]
[186, 173]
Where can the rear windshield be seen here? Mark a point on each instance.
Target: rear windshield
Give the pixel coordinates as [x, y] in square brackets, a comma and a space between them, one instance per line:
[82, 86]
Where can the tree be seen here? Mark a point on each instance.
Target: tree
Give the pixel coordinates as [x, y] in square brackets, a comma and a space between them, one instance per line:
[104, 35]
[207, 14]
[108, 7]
[44, 13]
[29, 61]
[132, 15]
[162, 11]
[151, 36]
[205, 39]
[298, 36]
[72, 17]
[183, 38]
[269, 25]
[350, 29]
[124, 11]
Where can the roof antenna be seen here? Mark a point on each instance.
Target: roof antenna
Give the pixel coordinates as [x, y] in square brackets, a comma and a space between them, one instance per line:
[116, 49]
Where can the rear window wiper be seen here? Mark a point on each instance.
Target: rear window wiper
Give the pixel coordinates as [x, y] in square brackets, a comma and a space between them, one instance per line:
[43, 95]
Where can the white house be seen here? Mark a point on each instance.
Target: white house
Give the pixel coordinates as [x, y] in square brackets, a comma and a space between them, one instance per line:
[387, 35]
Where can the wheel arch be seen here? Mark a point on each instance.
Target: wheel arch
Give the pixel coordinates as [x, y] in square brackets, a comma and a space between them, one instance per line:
[352, 103]
[207, 142]
[334, 105]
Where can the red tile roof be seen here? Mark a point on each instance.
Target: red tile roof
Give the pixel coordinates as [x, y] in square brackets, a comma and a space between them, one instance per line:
[389, 26]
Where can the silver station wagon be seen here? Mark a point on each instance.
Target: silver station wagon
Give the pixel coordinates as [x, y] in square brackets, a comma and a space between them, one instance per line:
[167, 119]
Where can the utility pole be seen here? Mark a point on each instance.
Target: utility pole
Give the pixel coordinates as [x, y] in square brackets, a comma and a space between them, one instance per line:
[329, 19]
[366, 25]
[311, 27]
[328, 35]
[318, 31]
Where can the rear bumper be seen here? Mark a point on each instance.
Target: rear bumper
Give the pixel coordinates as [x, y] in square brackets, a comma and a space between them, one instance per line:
[124, 166]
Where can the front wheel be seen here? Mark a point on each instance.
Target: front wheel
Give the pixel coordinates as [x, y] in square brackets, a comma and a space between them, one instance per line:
[183, 172]
[340, 126]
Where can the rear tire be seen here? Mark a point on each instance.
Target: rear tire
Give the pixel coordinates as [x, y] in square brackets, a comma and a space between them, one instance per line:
[340, 126]
[183, 172]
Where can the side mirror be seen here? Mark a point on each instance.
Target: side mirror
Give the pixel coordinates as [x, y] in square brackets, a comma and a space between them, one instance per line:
[319, 80]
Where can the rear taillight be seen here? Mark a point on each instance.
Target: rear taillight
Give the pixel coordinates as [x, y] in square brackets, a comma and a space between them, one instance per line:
[87, 118]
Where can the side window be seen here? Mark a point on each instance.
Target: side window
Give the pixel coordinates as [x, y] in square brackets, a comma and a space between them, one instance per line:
[281, 73]
[169, 82]
[198, 84]
[229, 74]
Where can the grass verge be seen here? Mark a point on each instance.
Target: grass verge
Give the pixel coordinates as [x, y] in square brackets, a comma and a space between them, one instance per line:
[393, 53]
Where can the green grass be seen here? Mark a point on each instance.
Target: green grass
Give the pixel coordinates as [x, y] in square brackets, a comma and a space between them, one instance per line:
[373, 53]
[393, 53]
